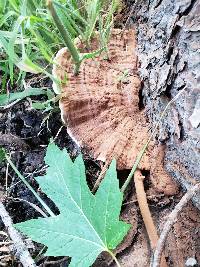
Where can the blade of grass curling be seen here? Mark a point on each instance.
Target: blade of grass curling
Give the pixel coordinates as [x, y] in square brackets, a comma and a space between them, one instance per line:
[29, 186]
[65, 21]
[139, 157]
[72, 13]
[7, 98]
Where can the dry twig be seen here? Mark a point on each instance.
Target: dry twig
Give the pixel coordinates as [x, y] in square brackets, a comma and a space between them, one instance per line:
[38, 209]
[101, 176]
[56, 262]
[171, 220]
[19, 248]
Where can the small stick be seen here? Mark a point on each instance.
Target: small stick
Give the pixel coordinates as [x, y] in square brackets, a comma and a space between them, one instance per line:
[54, 262]
[146, 215]
[20, 249]
[60, 129]
[9, 105]
[7, 166]
[171, 220]
[38, 209]
[101, 175]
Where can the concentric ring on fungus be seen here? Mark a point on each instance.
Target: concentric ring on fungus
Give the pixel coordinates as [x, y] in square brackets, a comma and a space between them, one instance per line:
[100, 106]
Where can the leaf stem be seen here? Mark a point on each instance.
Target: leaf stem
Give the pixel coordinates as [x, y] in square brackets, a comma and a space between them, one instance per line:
[29, 186]
[66, 36]
[114, 258]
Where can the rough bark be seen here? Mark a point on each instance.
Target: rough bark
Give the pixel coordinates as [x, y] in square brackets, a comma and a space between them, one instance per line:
[169, 56]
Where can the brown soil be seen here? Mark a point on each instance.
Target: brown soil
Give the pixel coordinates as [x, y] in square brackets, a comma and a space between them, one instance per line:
[183, 241]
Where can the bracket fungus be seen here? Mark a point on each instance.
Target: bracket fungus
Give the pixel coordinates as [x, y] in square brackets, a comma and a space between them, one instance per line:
[100, 106]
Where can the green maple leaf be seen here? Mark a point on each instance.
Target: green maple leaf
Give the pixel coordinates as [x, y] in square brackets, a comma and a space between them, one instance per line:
[87, 224]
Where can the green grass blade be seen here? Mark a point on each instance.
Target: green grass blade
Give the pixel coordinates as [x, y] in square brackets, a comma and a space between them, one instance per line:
[6, 99]
[29, 186]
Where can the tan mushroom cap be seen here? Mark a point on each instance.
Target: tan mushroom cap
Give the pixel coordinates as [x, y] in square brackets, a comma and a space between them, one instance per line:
[100, 106]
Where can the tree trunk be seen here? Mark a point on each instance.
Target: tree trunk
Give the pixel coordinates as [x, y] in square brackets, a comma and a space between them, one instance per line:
[169, 56]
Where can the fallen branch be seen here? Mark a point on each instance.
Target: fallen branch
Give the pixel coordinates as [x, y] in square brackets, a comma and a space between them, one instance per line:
[146, 215]
[169, 223]
[20, 250]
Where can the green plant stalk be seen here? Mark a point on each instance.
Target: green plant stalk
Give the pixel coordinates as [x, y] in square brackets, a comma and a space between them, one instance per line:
[141, 153]
[66, 37]
[29, 186]
[134, 168]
